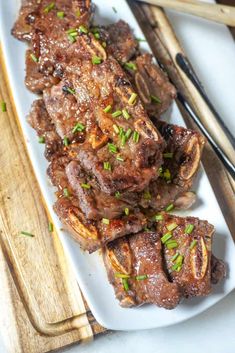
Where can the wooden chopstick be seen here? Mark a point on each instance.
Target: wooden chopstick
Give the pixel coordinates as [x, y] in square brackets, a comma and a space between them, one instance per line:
[214, 12]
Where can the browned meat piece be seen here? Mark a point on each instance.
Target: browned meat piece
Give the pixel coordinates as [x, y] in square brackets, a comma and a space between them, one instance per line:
[22, 29]
[135, 269]
[91, 235]
[218, 270]
[40, 121]
[153, 86]
[187, 252]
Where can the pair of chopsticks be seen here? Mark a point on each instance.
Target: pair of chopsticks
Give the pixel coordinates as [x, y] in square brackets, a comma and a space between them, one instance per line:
[184, 64]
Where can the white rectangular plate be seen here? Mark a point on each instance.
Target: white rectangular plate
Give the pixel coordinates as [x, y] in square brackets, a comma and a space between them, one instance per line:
[89, 269]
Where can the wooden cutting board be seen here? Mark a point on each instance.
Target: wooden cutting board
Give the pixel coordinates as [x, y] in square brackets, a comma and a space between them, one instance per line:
[41, 306]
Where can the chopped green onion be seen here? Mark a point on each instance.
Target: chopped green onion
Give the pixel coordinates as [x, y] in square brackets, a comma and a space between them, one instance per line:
[159, 217]
[117, 113]
[72, 30]
[107, 109]
[175, 257]
[69, 90]
[121, 275]
[171, 244]
[132, 99]
[34, 58]
[126, 114]
[112, 148]
[167, 175]
[114, 9]
[97, 35]
[66, 141]
[141, 277]
[4, 107]
[128, 134]
[41, 139]
[121, 132]
[78, 13]
[120, 159]
[78, 127]
[178, 263]
[166, 237]
[71, 38]
[116, 128]
[131, 66]
[104, 44]
[156, 99]
[105, 221]
[125, 284]
[147, 195]
[127, 211]
[136, 136]
[171, 226]
[141, 40]
[193, 244]
[50, 227]
[123, 140]
[169, 207]
[27, 234]
[85, 186]
[160, 171]
[189, 228]
[107, 166]
[60, 14]
[117, 194]
[83, 29]
[96, 60]
[66, 192]
[168, 155]
[49, 7]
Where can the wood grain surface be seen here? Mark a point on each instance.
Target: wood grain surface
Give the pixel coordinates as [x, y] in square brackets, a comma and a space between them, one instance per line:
[40, 302]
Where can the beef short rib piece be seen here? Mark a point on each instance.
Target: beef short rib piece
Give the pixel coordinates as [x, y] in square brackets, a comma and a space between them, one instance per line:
[187, 252]
[135, 268]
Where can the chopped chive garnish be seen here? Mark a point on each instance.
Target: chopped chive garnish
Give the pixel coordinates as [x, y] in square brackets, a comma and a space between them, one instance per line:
[72, 30]
[167, 175]
[159, 217]
[123, 140]
[189, 228]
[121, 275]
[117, 113]
[178, 263]
[96, 60]
[172, 226]
[131, 66]
[97, 35]
[41, 139]
[3, 107]
[112, 148]
[169, 207]
[120, 159]
[85, 186]
[78, 127]
[174, 257]
[60, 14]
[66, 141]
[107, 109]
[126, 114]
[160, 171]
[147, 195]
[132, 99]
[121, 131]
[117, 194]
[193, 244]
[156, 99]
[78, 13]
[105, 221]
[141, 277]
[171, 244]
[136, 136]
[83, 29]
[140, 40]
[66, 192]
[125, 284]
[168, 155]
[166, 237]
[127, 211]
[114, 9]
[34, 58]
[128, 134]
[49, 7]
[104, 44]
[116, 128]
[27, 234]
[50, 227]
[68, 90]
[107, 166]
[71, 38]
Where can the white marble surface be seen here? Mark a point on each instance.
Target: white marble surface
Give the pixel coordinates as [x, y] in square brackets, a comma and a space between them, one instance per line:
[211, 50]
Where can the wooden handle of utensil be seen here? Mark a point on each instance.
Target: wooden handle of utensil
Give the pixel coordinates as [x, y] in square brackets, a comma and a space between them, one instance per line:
[214, 12]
